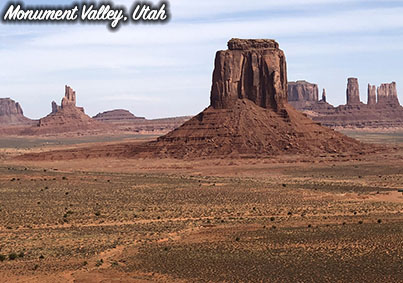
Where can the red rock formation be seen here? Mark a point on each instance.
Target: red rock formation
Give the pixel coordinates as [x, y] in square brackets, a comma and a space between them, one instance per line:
[248, 114]
[10, 107]
[371, 95]
[69, 97]
[304, 95]
[387, 113]
[324, 95]
[353, 92]
[11, 113]
[252, 69]
[302, 91]
[66, 118]
[387, 94]
[55, 107]
[126, 122]
[117, 116]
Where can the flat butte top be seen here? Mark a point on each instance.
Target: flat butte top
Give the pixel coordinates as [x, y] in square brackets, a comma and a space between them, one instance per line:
[248, 44]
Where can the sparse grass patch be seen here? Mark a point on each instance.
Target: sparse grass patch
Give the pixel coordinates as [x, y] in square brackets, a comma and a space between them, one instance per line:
[12, 256]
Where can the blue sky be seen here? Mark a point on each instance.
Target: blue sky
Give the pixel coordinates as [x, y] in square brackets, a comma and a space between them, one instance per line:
[165, 70]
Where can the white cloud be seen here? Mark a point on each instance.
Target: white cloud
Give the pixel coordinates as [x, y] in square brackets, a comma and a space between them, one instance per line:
[170, 65]
[189, 10]
[193, 34]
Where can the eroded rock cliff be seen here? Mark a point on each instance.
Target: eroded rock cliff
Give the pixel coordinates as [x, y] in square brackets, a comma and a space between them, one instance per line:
[249, 114]
[11, 113]
[251, 69]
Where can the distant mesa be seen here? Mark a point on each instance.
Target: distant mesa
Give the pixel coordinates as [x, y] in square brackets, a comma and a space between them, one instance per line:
[304, 95]
[69, 119]
[382, 110]
[11, 113]
[117, 116]
[302, 91]
[124, 121]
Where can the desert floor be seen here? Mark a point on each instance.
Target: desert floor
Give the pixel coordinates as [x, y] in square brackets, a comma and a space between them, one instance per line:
[282, 219]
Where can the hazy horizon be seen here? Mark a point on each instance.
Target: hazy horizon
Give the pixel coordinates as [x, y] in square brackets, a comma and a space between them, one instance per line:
[165, 70]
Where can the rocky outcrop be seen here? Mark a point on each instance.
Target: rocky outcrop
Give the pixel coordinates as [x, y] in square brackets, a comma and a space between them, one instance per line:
[324, 95]
[69, 97]
[387, 94]
[302, 91]
[66, 118]
[371, 95]
[55, 107]
[250, 69]
[353, 91]
[303, 95]
[11, 113]
[125, 121]
[117, 116]
[249, 114]
[69, 100]
[384, 113]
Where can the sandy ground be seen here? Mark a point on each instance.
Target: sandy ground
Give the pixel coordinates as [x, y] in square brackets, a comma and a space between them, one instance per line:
[281, 219]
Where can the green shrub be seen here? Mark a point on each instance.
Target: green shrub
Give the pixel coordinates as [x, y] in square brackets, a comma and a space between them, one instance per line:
[99, 262]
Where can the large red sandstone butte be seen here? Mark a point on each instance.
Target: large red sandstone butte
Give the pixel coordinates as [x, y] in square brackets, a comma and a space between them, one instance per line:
[11, 113]
[249, 114]
[303, 94]
[302, 91]
[250, 69]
